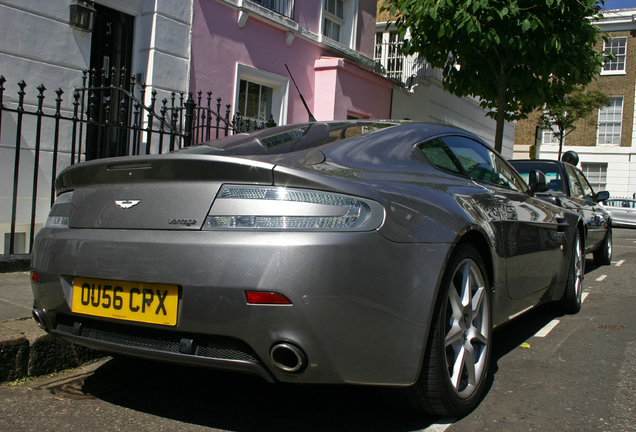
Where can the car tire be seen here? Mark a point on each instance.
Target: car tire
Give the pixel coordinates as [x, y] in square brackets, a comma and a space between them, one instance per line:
[573, 294]
[457, 356]
[603, 256]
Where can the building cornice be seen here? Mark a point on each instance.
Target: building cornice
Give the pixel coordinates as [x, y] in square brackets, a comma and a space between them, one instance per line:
[617, 20]
[248, 9]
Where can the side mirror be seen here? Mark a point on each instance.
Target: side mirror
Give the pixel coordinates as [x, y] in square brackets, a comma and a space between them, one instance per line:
[602, 196]
[537, 182]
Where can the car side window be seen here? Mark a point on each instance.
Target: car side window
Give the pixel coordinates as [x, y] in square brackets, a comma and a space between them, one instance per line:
[508, 175]
[473, 157]
[587, 189]
[482, 164]
[438, 153]
[575, 187]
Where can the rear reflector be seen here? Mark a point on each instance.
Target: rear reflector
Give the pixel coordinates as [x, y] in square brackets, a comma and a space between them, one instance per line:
[263, 298]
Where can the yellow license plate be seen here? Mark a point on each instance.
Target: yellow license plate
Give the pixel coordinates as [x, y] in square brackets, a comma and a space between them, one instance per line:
[131, 301]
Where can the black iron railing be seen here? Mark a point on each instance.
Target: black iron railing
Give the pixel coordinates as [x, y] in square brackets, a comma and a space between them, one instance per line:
[105, 117]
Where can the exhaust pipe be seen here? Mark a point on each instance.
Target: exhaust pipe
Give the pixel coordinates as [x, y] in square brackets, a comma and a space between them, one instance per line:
[288, 357]
[39, 320]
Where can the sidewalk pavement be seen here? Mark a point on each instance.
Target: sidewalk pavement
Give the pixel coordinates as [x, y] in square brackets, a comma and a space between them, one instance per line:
[25, 349]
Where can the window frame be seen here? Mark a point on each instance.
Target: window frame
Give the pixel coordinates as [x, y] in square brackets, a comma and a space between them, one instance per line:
[387, 53]
[348, 22]
[279, 84]
[619, 58]
[548, 132]
[606, 110]
[601, 173]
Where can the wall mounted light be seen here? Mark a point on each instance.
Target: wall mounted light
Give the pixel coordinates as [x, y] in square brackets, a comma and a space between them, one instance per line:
[83, 15]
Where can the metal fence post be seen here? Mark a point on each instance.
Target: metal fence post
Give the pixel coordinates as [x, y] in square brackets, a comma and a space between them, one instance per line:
[16, 169]
[189, 120]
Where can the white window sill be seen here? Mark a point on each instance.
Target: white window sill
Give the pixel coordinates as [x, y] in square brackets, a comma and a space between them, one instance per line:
[613, 73]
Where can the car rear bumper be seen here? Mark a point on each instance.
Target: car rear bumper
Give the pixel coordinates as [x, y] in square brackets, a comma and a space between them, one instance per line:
[360, 309]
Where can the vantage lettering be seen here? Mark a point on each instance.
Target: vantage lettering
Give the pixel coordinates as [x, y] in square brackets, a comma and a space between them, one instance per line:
[186, 222]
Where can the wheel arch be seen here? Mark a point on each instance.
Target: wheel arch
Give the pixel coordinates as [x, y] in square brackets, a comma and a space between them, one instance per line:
[479, 241]
[427, 393]
[582, 228]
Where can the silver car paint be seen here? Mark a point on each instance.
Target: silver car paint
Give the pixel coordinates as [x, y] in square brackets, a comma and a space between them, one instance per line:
[620, 215]
[362, 301]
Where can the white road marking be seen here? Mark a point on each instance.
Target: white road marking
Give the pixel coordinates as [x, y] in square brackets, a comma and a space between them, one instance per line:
[620, 263]
[547, 329]
[441, 425]
[584, 296]
[600, 278]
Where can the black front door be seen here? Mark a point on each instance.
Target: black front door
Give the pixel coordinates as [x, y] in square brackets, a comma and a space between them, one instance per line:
[111, 50]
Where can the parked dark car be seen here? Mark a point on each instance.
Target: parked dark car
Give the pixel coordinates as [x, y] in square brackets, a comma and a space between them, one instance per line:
[569, 188]
[357, 252]
[622, 211]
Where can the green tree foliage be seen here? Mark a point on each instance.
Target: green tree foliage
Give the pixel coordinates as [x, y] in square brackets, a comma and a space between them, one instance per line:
[561, 116]
[515, 55]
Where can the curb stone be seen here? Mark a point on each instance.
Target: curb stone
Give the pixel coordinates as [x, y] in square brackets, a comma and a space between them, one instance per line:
[15, 263]
[26, 350]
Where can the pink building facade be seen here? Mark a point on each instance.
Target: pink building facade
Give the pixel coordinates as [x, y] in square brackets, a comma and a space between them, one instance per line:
[240, 50]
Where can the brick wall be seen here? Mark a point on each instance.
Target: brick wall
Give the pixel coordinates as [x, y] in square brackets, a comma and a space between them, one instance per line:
[585, 133]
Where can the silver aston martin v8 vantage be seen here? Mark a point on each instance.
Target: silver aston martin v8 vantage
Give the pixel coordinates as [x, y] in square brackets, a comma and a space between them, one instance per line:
[360, 252]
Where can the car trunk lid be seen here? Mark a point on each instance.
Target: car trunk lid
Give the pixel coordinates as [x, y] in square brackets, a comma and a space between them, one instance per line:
[158, 192]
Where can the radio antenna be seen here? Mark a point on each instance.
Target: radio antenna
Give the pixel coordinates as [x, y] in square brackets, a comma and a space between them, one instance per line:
[311, 116]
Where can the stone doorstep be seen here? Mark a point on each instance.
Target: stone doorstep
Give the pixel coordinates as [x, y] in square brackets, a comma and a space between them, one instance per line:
[26, 350]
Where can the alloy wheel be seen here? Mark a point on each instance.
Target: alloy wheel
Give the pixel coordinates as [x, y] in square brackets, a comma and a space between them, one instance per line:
[467, 329]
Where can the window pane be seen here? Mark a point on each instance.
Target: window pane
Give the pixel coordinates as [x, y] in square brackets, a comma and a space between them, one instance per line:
[255, 100]
[253, 94]
[575, 187]
[335, 7]
[549, 137]
[332, 30]
[617, 47]
[265, 108]
[610, 122]
[596, 174]
[587, 189]
[242, 99]
[438, 153]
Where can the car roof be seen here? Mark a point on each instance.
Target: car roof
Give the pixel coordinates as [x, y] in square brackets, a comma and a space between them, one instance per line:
[301, 136]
